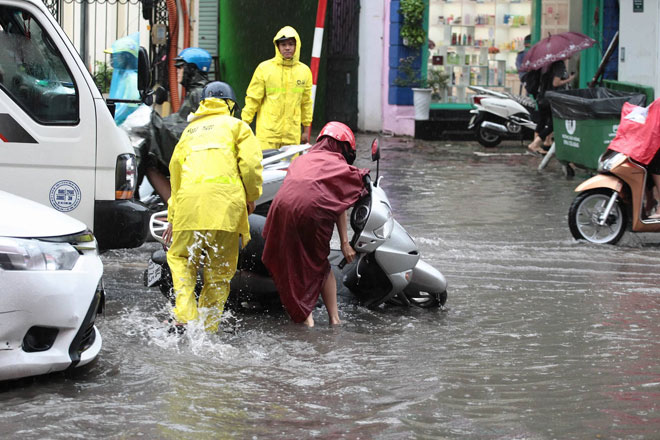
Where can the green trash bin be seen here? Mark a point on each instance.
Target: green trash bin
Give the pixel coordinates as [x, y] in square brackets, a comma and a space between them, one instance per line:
[585, 122]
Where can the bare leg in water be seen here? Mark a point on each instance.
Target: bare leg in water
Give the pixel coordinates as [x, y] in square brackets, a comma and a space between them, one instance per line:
[329, 296]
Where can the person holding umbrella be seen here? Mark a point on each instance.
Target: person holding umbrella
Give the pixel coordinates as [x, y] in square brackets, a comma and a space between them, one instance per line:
[549, 55]
[555, 78]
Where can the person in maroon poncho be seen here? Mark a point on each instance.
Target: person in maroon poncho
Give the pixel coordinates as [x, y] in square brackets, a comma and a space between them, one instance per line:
[318, 189]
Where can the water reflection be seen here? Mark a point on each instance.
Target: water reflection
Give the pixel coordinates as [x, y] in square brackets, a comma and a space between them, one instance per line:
[545, 337]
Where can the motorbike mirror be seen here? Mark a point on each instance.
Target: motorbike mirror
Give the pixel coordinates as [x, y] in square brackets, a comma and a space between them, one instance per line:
[375, 151]
[160, 95]
[375, 156]
[144, 72]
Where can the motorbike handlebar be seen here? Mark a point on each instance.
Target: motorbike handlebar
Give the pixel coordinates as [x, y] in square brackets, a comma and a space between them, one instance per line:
[367, 182]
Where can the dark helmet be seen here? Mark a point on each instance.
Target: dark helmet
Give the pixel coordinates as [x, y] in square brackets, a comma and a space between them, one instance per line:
[195, 56]
[221, 90]
[218, 89]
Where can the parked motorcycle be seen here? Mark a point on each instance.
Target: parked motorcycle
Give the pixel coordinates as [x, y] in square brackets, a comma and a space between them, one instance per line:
[387, 268]
[612, 199]
[498, 115]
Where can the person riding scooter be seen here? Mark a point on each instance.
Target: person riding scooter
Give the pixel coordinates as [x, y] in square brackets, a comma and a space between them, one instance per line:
[622, 192]
[193, 65]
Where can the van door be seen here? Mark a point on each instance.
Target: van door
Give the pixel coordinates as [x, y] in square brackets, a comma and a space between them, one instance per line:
[47, 115]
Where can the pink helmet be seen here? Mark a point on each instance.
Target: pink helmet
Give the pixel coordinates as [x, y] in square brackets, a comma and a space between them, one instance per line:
[338, 131]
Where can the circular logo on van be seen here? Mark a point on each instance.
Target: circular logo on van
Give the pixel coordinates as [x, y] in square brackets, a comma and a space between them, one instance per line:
[65, 196]
[570, 126]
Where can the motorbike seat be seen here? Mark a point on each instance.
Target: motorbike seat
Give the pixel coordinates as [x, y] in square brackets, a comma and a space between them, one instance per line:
[525, 101]
[269, 153]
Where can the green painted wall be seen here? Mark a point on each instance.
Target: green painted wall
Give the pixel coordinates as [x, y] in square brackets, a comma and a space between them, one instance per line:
[247, 28]
[592, 25]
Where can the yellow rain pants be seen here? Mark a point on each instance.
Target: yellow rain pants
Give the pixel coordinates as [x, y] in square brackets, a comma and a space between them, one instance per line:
[217, 252]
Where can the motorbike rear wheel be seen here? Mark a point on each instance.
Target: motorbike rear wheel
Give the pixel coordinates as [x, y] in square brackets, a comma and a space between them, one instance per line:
[487, 138]
[584, 213]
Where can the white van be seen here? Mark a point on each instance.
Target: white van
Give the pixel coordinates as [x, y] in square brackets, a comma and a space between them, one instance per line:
[59, 144]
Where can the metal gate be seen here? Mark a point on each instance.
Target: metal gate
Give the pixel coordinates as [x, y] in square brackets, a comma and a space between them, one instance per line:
[93, 25]
[342, 68]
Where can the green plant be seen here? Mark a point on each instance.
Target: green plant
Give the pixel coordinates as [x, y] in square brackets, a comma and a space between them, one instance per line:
[408, 75]
[412, 30]
[102, 76]
[438, 81]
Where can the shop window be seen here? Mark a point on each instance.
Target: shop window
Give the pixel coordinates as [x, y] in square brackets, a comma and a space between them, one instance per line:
[476, 43]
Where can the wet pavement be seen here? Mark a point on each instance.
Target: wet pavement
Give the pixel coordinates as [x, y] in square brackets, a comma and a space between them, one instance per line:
[545, 337]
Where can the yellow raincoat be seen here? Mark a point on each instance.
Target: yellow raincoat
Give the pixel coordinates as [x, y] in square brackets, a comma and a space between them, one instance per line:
[215, 169]
[281, 93]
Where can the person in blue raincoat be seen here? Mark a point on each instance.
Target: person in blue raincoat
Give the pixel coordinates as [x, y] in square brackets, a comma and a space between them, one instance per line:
[124, 84]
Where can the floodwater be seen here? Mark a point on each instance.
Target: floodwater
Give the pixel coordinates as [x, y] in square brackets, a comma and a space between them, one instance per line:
[545, 337]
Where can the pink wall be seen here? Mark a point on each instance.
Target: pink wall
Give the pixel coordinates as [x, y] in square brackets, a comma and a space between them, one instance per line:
[399, 119]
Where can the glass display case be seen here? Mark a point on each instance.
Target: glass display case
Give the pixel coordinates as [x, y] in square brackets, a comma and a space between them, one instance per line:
[476, 42]
[554, 17]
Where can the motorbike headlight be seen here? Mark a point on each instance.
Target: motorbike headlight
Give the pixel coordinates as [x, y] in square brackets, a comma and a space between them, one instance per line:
[386, 229]
[609, 162]
[31, 254]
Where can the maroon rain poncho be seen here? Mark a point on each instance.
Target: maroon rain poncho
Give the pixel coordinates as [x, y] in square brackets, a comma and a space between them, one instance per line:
[318, 187]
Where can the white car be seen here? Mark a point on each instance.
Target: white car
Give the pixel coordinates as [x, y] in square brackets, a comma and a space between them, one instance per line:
[50, 290]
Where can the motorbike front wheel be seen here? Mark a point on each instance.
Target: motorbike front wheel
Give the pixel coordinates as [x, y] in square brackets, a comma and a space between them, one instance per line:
[585, 211]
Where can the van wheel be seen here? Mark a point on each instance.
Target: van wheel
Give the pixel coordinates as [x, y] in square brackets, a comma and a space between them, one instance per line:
[584, 214]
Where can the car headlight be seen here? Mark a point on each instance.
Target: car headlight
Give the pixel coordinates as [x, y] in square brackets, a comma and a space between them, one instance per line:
[31, 254]
[385, 230]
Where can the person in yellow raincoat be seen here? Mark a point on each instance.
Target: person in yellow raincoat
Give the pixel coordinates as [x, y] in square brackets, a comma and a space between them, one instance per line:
[281, 93]
[216, 177]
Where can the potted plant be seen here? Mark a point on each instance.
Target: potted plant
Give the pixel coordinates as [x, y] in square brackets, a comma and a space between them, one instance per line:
[412, 31]
[411, 77]
[438, 81]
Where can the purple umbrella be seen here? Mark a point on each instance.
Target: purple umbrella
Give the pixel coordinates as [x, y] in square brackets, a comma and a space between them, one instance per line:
[554, 48]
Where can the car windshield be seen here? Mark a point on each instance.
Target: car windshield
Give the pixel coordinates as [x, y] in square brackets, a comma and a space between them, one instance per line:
[32, 70]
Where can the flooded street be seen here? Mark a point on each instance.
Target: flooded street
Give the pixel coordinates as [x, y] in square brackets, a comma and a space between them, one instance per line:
[545, 337]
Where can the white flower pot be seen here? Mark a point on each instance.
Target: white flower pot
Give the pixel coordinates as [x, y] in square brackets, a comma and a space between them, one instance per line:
[422, 103]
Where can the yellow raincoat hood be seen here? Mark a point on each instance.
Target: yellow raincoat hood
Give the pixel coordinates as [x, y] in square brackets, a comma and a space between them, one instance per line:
[287, 32]
[210, 106]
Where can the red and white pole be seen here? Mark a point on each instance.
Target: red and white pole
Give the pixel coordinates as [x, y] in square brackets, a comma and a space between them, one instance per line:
[316, 50]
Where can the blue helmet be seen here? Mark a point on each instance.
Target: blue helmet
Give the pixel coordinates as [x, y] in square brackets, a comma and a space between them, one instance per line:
[196, 56]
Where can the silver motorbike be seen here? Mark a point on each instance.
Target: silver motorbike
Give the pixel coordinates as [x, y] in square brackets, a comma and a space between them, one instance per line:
[388, 268]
